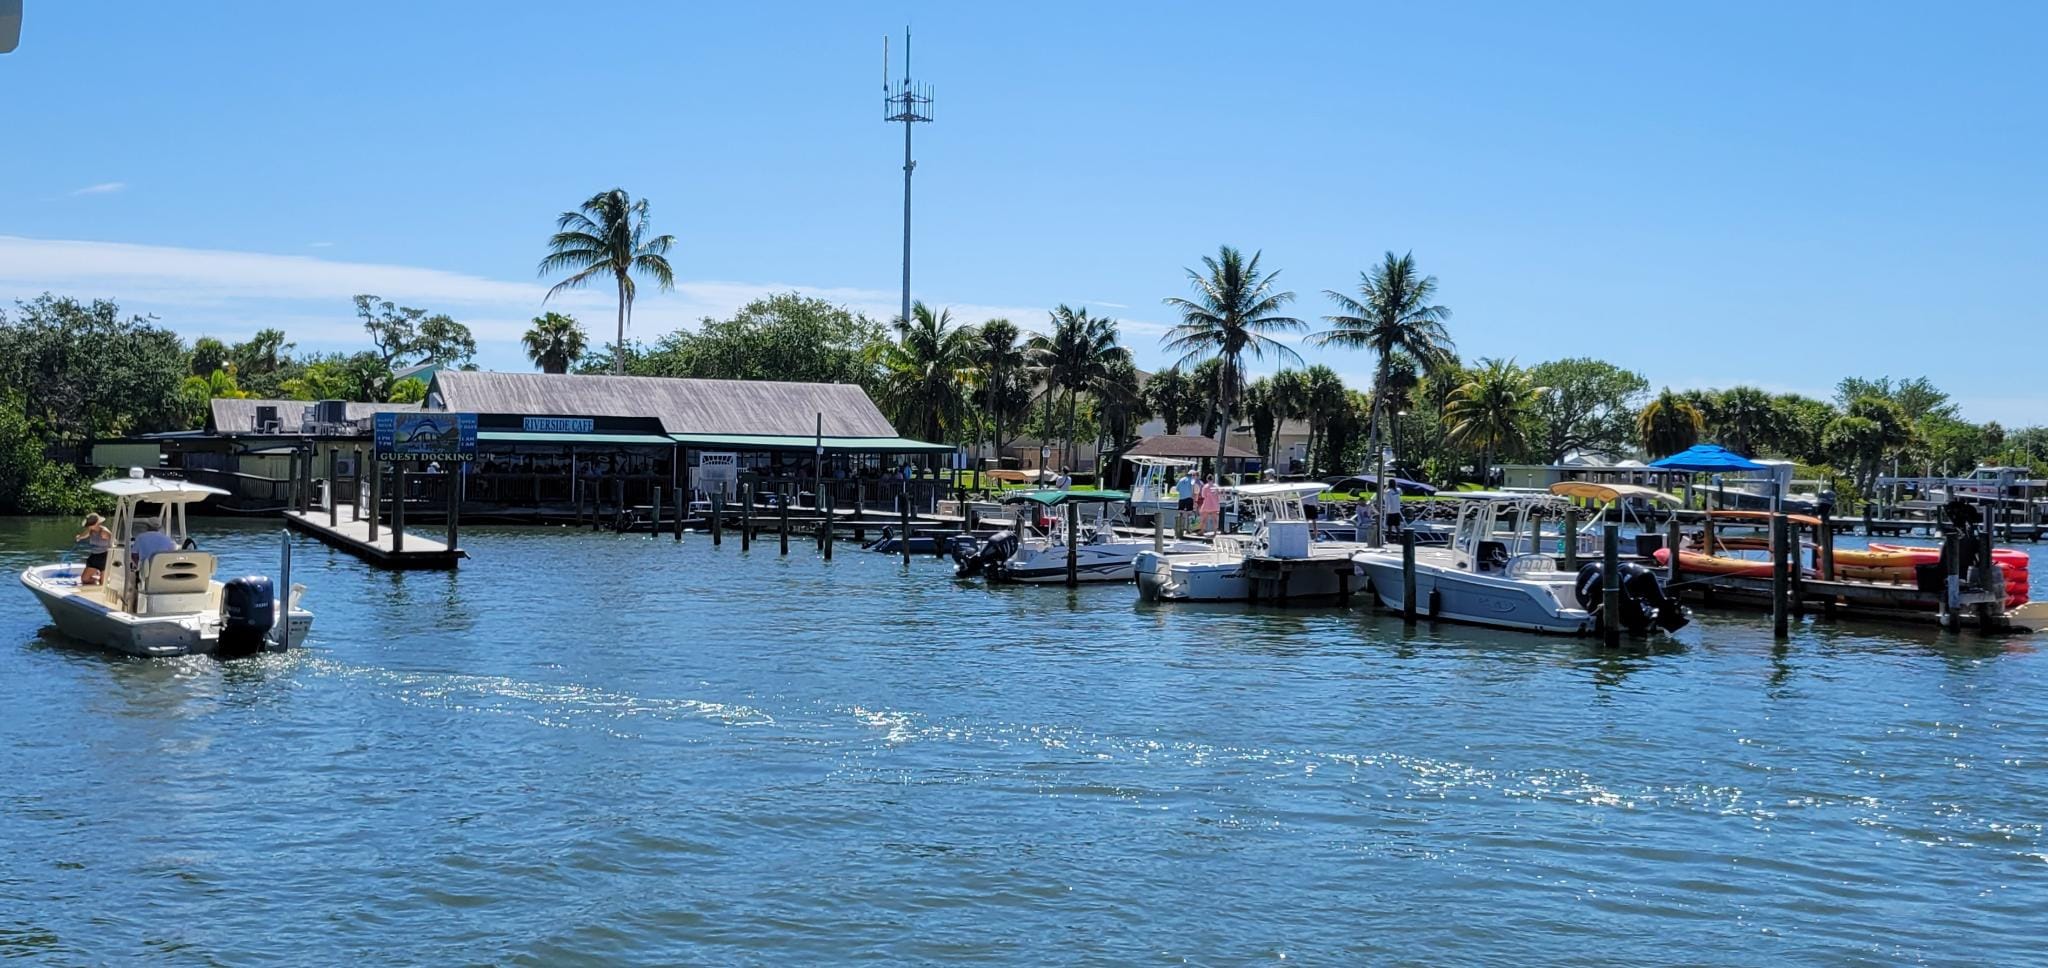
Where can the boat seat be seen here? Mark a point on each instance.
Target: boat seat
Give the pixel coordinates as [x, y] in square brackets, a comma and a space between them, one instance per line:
[176, 581]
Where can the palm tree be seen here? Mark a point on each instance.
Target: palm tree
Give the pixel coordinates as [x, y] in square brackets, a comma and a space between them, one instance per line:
[1075, 357]
[1288, 396]
[1492, 410]
[608, 233]
[1391, 317]
[1743, 418]
[1120, 408]
[925, 370]
[1170, 397]
[999, 359]
[1324, 400]
[1234, 310]
[554, 342]
[1668, 424]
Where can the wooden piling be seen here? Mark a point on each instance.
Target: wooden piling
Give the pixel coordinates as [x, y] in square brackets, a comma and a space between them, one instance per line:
[398, 508]
[1672, 536]
[454, 522]
[333, 490]
[1407, 576]
[1610, 583]
[903, 532]
[718, 517]
[1781, 614]
[1159, 533]
[376, 495]
[1571, 537]
[746, 517]
[654, 512]
[291, 491]
[825, 534]
[782, 511]
[1073, 544]
[1827, 544]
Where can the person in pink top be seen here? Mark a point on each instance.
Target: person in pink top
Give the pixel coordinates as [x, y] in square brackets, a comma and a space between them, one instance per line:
[1210, 503]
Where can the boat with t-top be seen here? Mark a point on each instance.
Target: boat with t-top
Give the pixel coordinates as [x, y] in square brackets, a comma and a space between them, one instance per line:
[1279, 528]
[1034, 548]
[158, 594]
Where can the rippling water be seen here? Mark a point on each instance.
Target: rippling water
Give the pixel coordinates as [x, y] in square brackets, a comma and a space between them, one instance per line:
[594, 749]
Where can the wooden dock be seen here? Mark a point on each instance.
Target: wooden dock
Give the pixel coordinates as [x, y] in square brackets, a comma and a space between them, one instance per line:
[352, 534]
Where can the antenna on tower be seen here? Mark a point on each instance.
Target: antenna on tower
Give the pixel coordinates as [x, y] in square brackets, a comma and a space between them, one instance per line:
[908, 103]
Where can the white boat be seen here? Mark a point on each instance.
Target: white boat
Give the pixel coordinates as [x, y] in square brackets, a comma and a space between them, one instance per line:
[1500, 570]
[1034, 550]
[167, 603]
[1156, 490]
[1280, 529]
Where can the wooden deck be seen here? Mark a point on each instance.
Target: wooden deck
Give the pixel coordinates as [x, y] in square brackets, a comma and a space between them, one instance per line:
[352, 535]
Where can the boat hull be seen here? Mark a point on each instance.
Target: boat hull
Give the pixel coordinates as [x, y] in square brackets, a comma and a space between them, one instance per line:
[1218, 577]
[1447, 593]
[87, 620]
[1101, 562]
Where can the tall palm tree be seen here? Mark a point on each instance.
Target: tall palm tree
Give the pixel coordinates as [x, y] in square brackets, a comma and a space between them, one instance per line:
[926, 370]
[1393, 316]
[1324, 401]
[1491, 409]
[999, 361]
[1076, 357]
[554, 342]
[1169, 397]
[1669, 424]
[1234, 311]
[1288, 396]
[608, 233]
[1120, 408]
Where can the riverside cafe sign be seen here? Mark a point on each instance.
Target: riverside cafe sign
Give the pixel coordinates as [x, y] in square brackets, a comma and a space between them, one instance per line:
[425, 437]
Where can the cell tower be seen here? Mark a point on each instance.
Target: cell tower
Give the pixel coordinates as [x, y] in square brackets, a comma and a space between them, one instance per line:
[908, 103]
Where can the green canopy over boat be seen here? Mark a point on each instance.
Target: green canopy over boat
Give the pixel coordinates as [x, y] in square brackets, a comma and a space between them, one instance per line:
[1053, 497]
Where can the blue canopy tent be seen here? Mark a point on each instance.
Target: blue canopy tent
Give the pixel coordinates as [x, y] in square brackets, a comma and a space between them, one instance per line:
[1707, 459]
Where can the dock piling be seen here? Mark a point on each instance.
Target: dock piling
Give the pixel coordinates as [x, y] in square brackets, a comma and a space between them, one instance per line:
[398, 507]
[903, 534]
[654, 511]
[746, 517]
[1407, 576]
[1073, 545]
[376, 496]
[1159, 533]
[782, 511]
[718, 517]
[333, 506]
[1781, 616]
[1610, 583]
[456, 478]
[1571, 538]
[825, 532]
[1672, 537]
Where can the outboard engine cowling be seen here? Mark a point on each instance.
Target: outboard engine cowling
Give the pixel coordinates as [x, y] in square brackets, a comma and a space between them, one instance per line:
[248, 611]
[1644, 601]
[996, 550]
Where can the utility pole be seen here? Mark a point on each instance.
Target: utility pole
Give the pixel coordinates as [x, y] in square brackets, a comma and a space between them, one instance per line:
[908, 103]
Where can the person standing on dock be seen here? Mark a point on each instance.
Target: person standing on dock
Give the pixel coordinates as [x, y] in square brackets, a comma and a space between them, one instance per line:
[1186, 488]
[1390, 507]
[1064, 481]
[1211, 505]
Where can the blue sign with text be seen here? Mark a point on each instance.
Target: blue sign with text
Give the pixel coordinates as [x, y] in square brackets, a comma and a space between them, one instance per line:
[425, 437]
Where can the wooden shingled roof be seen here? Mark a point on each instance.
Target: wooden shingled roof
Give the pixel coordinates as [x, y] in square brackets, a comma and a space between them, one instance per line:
[684, 406]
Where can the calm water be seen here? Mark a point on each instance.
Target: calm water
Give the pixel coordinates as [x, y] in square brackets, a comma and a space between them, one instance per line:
[599, 749]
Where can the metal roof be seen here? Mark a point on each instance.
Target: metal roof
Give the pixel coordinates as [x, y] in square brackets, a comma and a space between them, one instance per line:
[1184, 445]
[684, 406]
[231, 415]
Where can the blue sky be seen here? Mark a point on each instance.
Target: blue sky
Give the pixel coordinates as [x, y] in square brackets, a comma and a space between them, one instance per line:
[1778, 194]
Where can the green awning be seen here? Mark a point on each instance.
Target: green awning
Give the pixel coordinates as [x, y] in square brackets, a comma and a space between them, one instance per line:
[833, 445]
[524, 437]
[1054, 497]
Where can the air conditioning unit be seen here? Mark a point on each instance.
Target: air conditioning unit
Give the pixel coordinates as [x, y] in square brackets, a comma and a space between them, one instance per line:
[344, 467]
[266, 418]
[331, 413]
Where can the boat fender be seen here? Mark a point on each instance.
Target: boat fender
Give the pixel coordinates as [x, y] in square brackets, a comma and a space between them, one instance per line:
[248, 610]
[1436, 603]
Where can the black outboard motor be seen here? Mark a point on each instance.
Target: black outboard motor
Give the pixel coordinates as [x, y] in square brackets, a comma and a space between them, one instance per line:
[1643, 599]
[971, 561]
[248, 611]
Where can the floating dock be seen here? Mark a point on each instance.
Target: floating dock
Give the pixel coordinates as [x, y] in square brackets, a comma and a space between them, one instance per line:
[352, 534]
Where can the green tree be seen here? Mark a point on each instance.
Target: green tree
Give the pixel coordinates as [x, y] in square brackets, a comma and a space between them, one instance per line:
[1801, 423]
[1211, 412]
[1590, 406]
[208, 355]
[926, 372]
[1669, 424]
[361, 377]
[1324, 401]
[1234, 312]
[608, 233]
[1492, 410]
[1076, 357]
[1265, 417]
[554, 342]
[412, 389]
[85, 373]
[30, 482]
[262, 362]
[404, 335]
[1170, 396]
[1742, 419]
[1917, 397]
[1871, 430]
[1393, 316]
[998, 356]
[1119, 409]
[783, 336]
